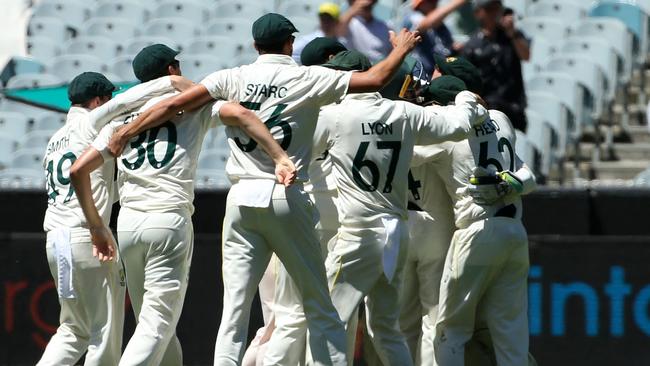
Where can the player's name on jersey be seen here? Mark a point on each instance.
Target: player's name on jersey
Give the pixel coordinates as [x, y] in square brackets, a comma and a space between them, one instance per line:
[59, 144]
[488, 127]
[376, 128]
[268, 91]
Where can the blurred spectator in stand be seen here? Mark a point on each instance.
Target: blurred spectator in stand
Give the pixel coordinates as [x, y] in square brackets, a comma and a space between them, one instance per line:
[328, 16]
[363, 32]
[497, 49]
[427, 18]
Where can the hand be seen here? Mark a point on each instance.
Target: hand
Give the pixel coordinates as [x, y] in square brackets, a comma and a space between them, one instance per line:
[180, 83]
[508, 24]
[103, 243]
[360, 5]
[405, 40]
[285, 171]
[117, 143]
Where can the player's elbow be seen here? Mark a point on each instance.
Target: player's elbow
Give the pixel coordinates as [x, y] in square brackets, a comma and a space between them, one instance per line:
[233, 114]
[77, 171]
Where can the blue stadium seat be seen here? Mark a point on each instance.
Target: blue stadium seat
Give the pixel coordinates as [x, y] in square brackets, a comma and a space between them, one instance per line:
[68, 66]
[304, 24]
[195, 67]
[548, 28]
[113, 28]
[600, 52]
[22, 178]
[193, 11]
[527, 151]
[634, 18]
[49, 121]
[616, 34]
[48, 27]
[554, 112]
[33, 81]
[213, 45]
[213, 159]
[14, 124]
[566, 88]
[71, 12]
[8, 144]
[541, 51]
[564, 11]
[36, 140]
[300, 8]
[28, 159]
[250, 10]
[211, 179]
[130, 10]
[134, 45]
[539, 133]
[102, 47]
[122, 68]
[238, 28]
[43, 48]
[590, 76]
[177, 29]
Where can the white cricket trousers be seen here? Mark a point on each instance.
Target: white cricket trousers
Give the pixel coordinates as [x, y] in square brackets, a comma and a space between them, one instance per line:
[429, 240]
[485, 276]
[355, 271]
[93, 321]
[288, 345]
[250, 236]
[157, 250]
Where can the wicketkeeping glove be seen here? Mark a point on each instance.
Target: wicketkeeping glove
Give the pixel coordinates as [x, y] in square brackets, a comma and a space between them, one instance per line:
[488, 187]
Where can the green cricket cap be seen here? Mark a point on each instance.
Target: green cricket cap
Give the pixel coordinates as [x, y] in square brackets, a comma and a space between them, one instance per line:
[88, 85]
[272, 28]
[152, 61]
[394, 86]
[443, 90]
[317, 51]
[349, 60]
[463, 69]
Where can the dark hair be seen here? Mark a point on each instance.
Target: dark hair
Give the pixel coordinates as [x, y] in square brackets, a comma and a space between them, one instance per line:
[275, 47]
[164, 71]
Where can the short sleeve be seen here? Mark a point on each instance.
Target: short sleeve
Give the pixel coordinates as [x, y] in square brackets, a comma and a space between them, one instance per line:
[211, 116]
[328, 86]
[217, 83]
[101, 142]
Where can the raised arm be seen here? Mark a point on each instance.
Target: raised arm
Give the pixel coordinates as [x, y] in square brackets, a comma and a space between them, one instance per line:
[233, 114]
[102, 239]
[435, 18]
[194, 97]
[454, 122]
[380, 74]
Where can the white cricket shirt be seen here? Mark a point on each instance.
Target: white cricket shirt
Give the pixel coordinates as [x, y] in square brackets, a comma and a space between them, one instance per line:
[69, 142]
[157, 168]
[370, 140]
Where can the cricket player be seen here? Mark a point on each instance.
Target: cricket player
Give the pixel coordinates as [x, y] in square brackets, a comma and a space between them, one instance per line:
[487, 264]
[91, 294]
[263, 217]
[370, 140]
[322, 192]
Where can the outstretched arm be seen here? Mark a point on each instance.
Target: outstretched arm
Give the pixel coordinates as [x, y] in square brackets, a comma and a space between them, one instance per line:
[380, 74]
[194, 97]
[102, 239]
[233, 114]
[435, 18]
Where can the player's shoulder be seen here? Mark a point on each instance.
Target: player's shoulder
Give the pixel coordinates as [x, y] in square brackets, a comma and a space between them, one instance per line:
[502, 121]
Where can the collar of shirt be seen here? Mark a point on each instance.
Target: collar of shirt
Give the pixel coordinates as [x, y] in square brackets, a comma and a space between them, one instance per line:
[275, 59]
[76, 112]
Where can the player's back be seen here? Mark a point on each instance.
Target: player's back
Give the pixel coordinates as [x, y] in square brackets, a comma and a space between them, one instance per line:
[157, 168]
[490, 146]
[427, 192]
[371, 145]
[287, 98]
[63, 149]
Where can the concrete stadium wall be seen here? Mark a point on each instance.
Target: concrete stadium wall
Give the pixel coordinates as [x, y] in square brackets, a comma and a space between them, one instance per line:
[589, 289]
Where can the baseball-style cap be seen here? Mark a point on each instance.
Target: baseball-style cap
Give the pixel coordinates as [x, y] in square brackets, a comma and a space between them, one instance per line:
[330, 9]
[317, 51]
[88, 85]
[443, 90]
[348, 61]
[149, 63]
[272, 28]
[484, 3]
[403, 75]
[463, 69]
